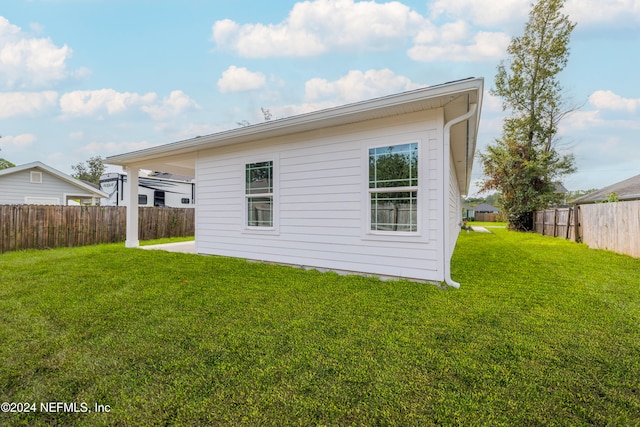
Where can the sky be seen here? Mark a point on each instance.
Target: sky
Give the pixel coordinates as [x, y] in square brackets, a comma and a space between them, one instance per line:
[84, 78]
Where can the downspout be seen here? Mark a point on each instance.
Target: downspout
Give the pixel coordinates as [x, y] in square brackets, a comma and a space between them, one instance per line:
[445, 199]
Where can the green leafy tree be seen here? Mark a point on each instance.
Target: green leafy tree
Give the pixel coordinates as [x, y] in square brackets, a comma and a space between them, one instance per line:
[523, 164]
[91, 171]
[5, 164]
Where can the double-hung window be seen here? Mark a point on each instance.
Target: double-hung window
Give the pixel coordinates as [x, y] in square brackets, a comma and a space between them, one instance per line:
[393, 188]
[259, 194]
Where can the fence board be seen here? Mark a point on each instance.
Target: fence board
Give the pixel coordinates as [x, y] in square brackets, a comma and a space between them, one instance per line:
[48, 226]
[610, 226]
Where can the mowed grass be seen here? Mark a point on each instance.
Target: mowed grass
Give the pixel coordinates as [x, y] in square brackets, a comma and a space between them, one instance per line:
[542, 332]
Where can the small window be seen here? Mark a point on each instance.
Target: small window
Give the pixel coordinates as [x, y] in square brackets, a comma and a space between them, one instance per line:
[36, 177]
[185, 201]
[158, 199]
[259, 194]
[142, 199]
[393, 188]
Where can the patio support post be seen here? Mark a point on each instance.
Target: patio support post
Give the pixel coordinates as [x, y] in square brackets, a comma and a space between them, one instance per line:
[132, 208]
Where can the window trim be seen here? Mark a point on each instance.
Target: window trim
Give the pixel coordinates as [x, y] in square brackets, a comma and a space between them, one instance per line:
[370, 234]
[255, 229]
[35, 177]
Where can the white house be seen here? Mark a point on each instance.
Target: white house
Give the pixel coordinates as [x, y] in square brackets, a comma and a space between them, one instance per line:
[372, 187]
[38, 184]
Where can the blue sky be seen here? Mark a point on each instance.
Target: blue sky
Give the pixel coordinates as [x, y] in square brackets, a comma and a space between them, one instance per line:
[81, 78]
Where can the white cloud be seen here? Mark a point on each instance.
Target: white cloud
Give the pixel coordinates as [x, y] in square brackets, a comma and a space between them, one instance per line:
[313, 27]
[27, 61]
[22, 140]
[90, 102]
[607, 100]
[506, 13]
[353, 87]
[580, 120]
[482, 12]
[458, 42]
[614, 12]
[238, 79]
[357, 85]
[178, 102]
[14, 104]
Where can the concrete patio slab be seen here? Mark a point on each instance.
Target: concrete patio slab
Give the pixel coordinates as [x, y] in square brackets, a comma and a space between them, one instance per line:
[183, 247]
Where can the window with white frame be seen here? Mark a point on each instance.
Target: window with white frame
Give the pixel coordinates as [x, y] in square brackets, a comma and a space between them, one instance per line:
[393, 188]
[259, 194]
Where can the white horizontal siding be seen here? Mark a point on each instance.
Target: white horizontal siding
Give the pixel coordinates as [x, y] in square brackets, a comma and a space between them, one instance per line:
[320, 199]
[15, 188]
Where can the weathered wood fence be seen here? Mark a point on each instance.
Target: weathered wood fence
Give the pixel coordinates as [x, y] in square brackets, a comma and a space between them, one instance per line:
[610, 226]
[558, 223]
[41, 227]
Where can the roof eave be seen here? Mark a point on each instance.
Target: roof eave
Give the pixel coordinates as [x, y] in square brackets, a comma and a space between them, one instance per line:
[351, 113]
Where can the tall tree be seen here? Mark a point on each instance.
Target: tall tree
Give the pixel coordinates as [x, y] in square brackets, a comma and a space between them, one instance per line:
[524, 162]
[91, 171]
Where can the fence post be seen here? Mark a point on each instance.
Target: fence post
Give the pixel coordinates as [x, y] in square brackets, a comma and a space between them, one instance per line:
[577, 220]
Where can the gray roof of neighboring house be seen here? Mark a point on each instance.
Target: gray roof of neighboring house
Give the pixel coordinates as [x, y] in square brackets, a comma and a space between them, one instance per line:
[629, 189]
[485, 207]
[559, 188]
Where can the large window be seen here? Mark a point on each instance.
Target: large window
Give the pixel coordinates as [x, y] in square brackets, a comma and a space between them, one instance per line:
[259, 194]
[393, 188]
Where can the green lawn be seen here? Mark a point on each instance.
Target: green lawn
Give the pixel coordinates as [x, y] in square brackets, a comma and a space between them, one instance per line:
[542, 332]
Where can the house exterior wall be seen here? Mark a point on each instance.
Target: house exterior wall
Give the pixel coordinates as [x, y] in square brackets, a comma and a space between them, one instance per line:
[321, 200]
[17, 189]
[455, 209]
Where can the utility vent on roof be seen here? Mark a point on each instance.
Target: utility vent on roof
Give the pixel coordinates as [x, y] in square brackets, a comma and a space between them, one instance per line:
[36, 177]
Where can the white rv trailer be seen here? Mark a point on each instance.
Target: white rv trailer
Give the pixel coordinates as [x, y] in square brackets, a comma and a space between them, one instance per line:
[165, 190]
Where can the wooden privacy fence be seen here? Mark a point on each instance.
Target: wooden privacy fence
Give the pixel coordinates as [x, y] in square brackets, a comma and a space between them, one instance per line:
[610, 226]
[557, 223]
[47, 226]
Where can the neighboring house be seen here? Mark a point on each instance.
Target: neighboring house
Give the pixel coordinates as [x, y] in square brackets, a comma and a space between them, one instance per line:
[486, 212]
[626, 190]
[562, 192]
[38, 184]
[486, 208]
[372, 187]
[468, 212]
[175, 191]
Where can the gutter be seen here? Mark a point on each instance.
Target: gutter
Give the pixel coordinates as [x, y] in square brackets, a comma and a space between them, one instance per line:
[445, 191]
